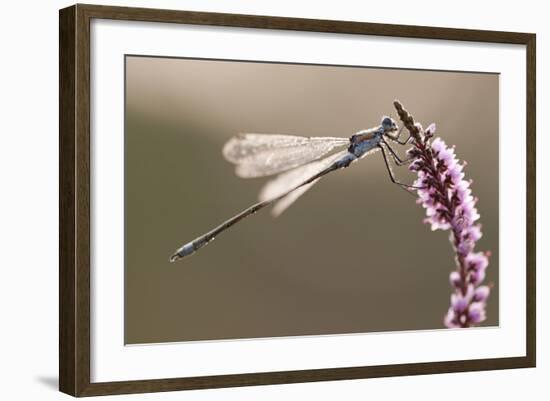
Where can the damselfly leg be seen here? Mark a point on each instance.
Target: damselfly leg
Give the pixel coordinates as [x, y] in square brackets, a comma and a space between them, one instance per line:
[396, 157]
[406, 187]
[396, 137]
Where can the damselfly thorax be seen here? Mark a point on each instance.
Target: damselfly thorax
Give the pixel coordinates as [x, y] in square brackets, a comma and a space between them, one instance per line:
[299, 162]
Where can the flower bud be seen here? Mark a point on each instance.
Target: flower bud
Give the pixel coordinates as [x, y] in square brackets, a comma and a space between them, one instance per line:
[476, 312]
[455, 279]
[481, 293]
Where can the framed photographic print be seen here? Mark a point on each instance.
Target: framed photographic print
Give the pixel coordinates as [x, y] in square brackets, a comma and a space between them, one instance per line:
[371, 190]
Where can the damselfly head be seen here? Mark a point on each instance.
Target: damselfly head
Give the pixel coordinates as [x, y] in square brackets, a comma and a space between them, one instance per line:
[389, 124]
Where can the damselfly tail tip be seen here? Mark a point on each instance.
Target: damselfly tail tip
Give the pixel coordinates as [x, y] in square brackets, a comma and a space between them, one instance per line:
[187, 249]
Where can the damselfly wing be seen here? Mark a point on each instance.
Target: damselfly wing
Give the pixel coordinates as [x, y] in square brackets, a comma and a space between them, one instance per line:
[259, 155]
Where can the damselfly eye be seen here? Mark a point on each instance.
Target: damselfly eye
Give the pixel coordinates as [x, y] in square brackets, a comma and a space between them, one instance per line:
[388, 123]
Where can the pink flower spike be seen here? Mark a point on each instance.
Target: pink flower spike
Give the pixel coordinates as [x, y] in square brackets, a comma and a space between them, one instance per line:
[450, 205]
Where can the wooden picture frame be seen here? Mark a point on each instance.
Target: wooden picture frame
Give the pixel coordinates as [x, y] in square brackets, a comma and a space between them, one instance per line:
[74, 205]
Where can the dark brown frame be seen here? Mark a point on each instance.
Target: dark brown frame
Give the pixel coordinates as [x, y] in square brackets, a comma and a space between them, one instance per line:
[74, 199]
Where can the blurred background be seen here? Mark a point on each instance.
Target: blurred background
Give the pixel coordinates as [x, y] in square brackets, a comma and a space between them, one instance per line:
[351, 255]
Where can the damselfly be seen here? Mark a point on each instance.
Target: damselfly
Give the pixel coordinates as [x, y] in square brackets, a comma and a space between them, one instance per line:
[299, 162]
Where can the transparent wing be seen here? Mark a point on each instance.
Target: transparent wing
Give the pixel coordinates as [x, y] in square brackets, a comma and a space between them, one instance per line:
[281, 205]
[258, 155]
[290, 179]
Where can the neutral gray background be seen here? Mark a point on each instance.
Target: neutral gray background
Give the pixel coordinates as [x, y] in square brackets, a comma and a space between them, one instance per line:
[352, 254]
